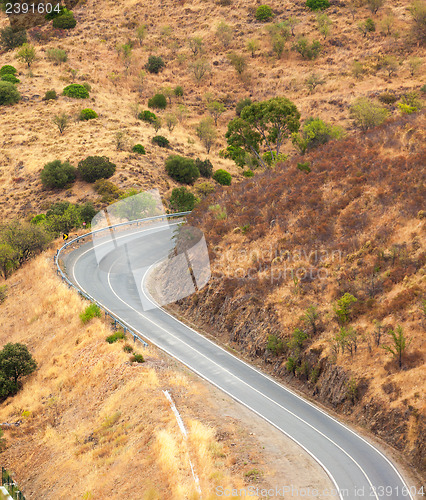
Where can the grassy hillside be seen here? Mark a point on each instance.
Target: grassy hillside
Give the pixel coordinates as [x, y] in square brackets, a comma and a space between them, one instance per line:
[288, 240]
[30, 139]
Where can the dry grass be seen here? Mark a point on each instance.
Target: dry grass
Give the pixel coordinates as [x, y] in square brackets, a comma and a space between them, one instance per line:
[94, 425]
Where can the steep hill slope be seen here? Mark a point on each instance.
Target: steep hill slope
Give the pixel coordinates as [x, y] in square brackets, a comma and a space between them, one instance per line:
[288, 240]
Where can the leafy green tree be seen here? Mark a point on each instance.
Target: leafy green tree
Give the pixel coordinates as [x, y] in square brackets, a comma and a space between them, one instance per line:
[62, 221]
[315, 132]
[324, 24]
[9, 259]
[262, 126]
[159, 101]
[275, 344]
[205, 167]
[399, 345]
[8, 93]
[16, 362]
[206, 132]
[27, 54]
[56, 174]
[292, 22]
[264, 13]
[313, 81]
[155, 64]
[238, 62]
[366, 27]
[225, 33]
[182, 169]
[65, 21]
[367, 114]
[253, 46]
[343, 308]
[182, 200]
[96, 167]
[216, 109]
[306, 49]
[242, 104]
[196, 45]
[141, 33]
[61, 121]
[199, 69]
[27, 239]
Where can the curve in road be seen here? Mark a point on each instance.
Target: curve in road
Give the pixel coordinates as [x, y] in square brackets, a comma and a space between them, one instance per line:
[356, 468]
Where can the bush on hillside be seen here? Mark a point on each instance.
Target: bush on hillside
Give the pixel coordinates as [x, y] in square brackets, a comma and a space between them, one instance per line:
[10, 78]
[222, 177]
[7, 69]
[56, 174]
[317, 4]
[306, 49]
[50, 95]
[57, 56]
[264, 13]
[15, 362]
[89, 313]
[8, 93]
[138, 148]
[10, 39]
[367, 114]
[87, 114]
[205, 167]
[56, 12]
[242, 104]
[76, 90]
[147, 116]
[182, 200]
[178, 91]
[65, 21]
[155, 64]
[182, 169]
[161, 141]
[159, 101]
[96, 167]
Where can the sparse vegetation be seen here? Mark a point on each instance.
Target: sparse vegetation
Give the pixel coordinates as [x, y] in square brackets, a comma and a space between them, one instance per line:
[89, 313]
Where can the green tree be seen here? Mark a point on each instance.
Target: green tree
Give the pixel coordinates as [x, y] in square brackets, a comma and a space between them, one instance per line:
[225, 33]
[9, 259]
[8, 94]
[374, 5]
[292, 22]
[57, 56]
[238, 61]
[56, 174]
[10, 39]
[182, 169]
[418, 13]
[216, 108]
[262, 127]
[27, 54]
[155, 64]
[27, 239]
[141, 33]
[324, 24]
[317, 4]
[366, 27]
[182, 200]
[308, 50]
[367, 114]
[313, 81]
[199, 69]
[414, 63]
[158, 101]
[389, 64]
[171, 121]
[264, 13]
[61, 121]
[196, 45]
[399, 344]
[315, 132]
[96, 167]
[253, 46]
[16, 362]
[206, 133]
[343, 308]
[223, 177]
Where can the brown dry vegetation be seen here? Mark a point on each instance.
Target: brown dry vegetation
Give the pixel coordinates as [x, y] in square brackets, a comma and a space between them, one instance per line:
[355, 224]
[29, 138]
[94, 425]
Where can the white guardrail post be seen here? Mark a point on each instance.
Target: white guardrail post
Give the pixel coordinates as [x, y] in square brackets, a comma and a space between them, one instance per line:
[84, 294]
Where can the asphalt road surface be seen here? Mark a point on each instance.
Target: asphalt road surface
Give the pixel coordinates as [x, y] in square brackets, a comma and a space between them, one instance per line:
[113, 270]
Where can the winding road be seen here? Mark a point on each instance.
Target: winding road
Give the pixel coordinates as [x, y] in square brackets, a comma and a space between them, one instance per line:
[113, 270]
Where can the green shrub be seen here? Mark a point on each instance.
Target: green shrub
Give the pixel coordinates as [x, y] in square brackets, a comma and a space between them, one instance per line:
[222, 177]
[182, 200]
[264, 13]
[367, 114]
[248, 173]
[87, 212]
[50, 95]
[314, 133]
[242, 104]
[119, 335]
[87, 114]
[10, 39]
[57, 56]
[304, 167]
[89, 313]
[317, 4]
[108, 190]
[205, 167]
[147, 116]
[127, 348]
[76, 90]
[178, 91]
[155, 64]
[56, 174]
[138, 148]
[137, 358]
[182, 169]
[205, 188]
[161, 141]
[275, 345]
[7, 69]
[369, 25]
[8, 93]
[96, 167]
[56, 12]
[65, 21]
[159, 101]
[10, 78]
[307, 50]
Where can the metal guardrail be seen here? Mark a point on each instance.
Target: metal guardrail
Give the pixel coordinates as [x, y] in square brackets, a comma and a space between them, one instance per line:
[10, 485]
[87, 296]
